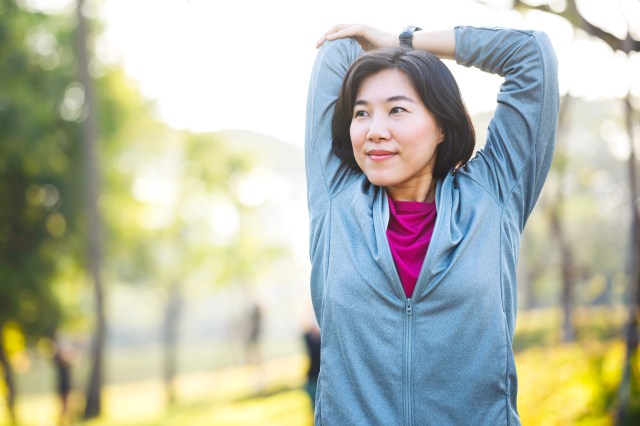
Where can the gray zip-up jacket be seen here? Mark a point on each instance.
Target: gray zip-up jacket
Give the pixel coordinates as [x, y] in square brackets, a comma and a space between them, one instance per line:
[444, 356]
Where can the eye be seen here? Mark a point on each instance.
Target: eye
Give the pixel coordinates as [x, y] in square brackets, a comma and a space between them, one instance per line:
[359, 113]
[396, 110]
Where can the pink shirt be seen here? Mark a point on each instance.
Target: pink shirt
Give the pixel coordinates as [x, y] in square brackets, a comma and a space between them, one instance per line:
[409, 233]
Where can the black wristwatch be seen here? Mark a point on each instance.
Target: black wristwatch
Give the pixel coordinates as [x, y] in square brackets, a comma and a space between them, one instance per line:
[406, 36]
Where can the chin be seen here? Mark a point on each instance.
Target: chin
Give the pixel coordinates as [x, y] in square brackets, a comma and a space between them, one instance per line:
[378, 180]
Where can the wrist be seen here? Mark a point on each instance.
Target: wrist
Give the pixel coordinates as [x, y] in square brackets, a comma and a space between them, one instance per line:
[441, 43]
[406, 36]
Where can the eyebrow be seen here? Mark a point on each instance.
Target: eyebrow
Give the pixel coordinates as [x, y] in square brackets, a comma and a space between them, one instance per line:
[391, 99]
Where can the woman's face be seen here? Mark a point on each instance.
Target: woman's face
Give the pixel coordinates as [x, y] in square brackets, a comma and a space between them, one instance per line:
[394, 136]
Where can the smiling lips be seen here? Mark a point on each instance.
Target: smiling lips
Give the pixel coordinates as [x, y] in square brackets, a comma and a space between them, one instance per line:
[380, 154]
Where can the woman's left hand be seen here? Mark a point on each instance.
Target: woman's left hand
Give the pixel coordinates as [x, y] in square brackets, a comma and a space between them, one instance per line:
[368, 37]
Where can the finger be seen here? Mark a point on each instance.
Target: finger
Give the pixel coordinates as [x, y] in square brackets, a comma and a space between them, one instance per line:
[328, 35]
[352, 30]
[330, 31]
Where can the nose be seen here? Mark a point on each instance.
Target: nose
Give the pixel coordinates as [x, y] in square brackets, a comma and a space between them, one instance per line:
[378, 129]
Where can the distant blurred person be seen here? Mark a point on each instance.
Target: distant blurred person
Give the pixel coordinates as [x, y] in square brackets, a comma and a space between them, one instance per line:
[63, 359]
[254, 332]
[312, 344]
[414, 243]
[253, 345]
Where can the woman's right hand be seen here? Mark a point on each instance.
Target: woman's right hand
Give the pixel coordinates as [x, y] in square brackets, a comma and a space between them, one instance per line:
[368, 37]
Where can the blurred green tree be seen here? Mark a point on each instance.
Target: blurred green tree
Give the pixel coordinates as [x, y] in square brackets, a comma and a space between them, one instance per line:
[44, 214]
[39, 157]
[210, 234]
[183, 181]
[629, 43]
[168, 200]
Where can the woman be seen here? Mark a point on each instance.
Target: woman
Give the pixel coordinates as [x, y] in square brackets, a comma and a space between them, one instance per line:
[414, 246]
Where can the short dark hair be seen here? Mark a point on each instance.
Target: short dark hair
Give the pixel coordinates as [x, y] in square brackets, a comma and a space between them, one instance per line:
[438, 91]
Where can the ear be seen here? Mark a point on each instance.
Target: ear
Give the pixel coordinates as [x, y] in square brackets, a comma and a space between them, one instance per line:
[440, 135]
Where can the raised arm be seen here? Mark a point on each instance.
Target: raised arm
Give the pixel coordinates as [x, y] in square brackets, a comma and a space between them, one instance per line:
[325, 172]
[441, 43]
[521, 137]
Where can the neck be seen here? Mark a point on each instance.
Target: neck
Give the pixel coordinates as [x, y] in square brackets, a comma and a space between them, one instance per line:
[425, 191]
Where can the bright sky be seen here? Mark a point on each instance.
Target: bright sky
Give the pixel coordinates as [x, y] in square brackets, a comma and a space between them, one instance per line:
[245, 64]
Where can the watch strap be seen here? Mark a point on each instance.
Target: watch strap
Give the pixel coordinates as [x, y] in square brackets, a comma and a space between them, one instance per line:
[406, 36]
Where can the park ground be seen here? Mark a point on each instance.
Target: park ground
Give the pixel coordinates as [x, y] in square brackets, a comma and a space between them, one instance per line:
[559, 384]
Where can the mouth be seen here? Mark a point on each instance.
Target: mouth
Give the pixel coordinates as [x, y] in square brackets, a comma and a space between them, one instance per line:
[380, 154]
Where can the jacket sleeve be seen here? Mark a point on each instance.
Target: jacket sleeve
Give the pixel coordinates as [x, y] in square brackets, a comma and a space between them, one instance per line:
[516, 158]
[325, 172]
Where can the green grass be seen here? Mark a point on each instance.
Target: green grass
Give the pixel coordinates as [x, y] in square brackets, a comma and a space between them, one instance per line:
[270, 391]
[287, 407]
[559, 384]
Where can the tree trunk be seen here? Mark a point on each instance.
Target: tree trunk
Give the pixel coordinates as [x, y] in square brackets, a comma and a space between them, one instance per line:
[568, 277]
[559, 231]
[631, 329]
[92, 173]
[7, 373]
[170, 340]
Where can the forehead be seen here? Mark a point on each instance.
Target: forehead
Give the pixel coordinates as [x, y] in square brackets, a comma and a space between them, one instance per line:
[386, 83]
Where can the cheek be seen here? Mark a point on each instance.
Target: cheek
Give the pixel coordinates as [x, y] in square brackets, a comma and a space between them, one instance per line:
[355, 133]
[357, 141]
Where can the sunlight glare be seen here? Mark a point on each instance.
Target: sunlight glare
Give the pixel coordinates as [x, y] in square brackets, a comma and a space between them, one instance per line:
[155, 190]
[47, 6]
[252, 188]
[224, 220]
[617, 140]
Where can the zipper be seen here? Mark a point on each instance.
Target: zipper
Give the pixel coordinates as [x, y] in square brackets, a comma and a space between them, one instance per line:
[408, 339]
[408, 345]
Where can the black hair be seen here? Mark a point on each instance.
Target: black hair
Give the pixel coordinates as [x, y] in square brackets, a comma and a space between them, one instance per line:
[438, 91]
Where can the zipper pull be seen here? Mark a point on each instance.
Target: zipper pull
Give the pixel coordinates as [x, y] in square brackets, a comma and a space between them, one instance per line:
[409, 307]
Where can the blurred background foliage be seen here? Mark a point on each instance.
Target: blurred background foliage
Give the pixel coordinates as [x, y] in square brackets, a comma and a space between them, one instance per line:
[198, 229]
